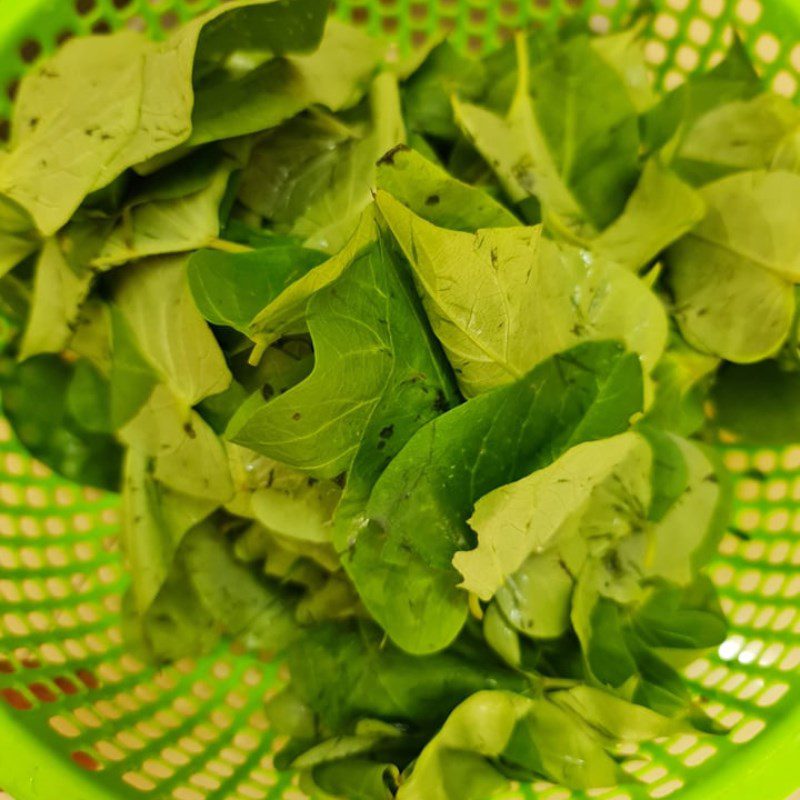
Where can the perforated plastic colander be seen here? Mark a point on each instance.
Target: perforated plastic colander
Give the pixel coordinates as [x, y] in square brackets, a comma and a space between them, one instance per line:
[80, 719]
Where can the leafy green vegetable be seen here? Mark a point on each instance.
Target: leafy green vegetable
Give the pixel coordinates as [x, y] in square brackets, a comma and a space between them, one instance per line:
[170, 225]
[732, 276]
[58, 292]
[787, 153]
[683, 380]
[268, 278]
[757, 402]
[156, 305]
[287, 312]
[458, 760]
[17, 236]
[433, 195]
[377, 378]
[232, 288]
[659, 211]
[624, 52]
[428, 93]
[155, 520]
[571, 140]
[537, 512]
[138, 103]
[738, 136]
[494, 733]
[208, 593]
[345, 673]
[415, 520]
[312, 177]
[231, 103]
[42, 398]
[286, 501]
[503, 300]
[669, 122]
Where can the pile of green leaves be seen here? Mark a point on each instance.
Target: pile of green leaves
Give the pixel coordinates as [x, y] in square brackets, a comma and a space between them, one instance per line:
[401, 370]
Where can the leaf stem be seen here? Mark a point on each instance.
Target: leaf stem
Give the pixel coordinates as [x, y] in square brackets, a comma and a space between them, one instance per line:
[229, 247]
[549, 684]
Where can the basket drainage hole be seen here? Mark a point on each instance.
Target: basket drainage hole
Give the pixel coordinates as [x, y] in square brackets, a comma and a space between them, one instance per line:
[85, 761]
[16, 699]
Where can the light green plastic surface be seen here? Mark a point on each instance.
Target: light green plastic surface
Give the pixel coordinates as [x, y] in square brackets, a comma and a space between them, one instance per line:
[80, 719]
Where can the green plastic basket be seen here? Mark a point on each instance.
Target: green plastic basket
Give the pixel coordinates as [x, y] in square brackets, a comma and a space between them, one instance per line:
[81, 719]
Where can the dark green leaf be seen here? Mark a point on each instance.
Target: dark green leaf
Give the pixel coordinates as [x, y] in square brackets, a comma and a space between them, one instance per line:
[231, 288]
[346, 672]
[400, 561]
[36, 399]
[427, 93]
[760, 403]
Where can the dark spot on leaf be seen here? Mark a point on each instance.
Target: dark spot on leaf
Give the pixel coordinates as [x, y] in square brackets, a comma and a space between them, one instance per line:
[189, 430]
[740, 534]
[388, 157]
[493, 257]
[296, 416]
[311, 481]
[267, 391]
[387, 432]
[340, 479]
[440, 404]
[381, 444]
[432, 200]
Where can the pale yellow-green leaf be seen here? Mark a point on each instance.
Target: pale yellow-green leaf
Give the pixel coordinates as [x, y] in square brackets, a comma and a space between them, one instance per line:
[330, 219]
[753, 215]
[535, 598]
[103, 104]
[58, 292]
[732, 277]
[95, 108]
[92, 336]
[659, 211]
[675, 538]
[616, 719]
[535, 513]
[741, 135]
[502, 300]
[18, 237]
[188, 456]
[516, 149]
[726, 306]
[154, 521]
[482, 726]
[284, 500]
[162, 227]
[787, 153]
[156, 302]
[624, 53]
[287, 311]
